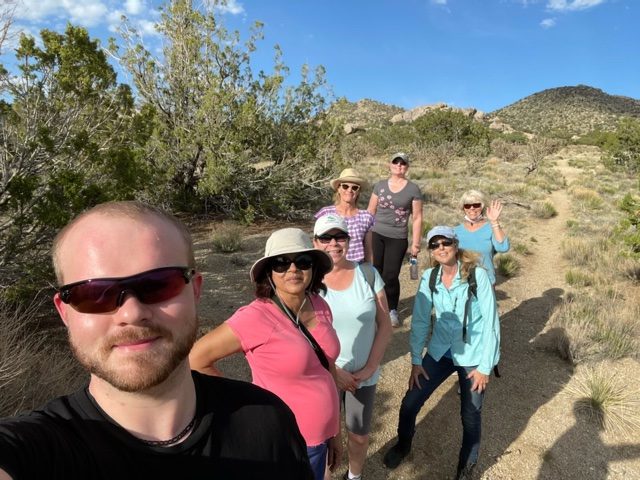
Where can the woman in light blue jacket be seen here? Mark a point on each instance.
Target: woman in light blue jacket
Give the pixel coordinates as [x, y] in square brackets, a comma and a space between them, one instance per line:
[467, 346]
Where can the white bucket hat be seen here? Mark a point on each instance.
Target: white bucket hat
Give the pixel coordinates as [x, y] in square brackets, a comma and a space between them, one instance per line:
[291, 240]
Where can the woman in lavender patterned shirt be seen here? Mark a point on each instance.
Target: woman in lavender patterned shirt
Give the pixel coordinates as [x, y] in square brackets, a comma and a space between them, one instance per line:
[347, 188]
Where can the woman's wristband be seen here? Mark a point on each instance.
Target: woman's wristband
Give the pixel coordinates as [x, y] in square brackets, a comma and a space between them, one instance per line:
[496, 225]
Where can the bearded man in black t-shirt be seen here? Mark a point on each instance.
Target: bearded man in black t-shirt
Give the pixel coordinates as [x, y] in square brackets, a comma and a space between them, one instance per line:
[128, 295]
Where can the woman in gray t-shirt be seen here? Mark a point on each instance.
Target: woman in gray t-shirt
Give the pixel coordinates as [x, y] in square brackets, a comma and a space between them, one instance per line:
[392, 201]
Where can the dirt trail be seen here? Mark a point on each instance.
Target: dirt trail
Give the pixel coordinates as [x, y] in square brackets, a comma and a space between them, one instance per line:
[529, 429]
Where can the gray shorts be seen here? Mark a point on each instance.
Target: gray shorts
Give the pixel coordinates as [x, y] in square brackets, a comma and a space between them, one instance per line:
[358, 409]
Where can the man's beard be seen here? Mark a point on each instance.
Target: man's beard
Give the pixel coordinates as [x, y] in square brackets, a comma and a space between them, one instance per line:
[142, 370]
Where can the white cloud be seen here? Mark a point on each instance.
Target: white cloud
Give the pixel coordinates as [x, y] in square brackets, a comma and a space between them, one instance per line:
[439, 2]
[84, 12]
[572, 5]
[147, 28]
[113, 20]
[230, 6]
[87, 13]
[548, 23]
[134, 7]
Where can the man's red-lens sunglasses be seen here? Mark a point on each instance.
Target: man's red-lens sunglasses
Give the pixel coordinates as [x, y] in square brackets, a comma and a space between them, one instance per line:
[103, 295]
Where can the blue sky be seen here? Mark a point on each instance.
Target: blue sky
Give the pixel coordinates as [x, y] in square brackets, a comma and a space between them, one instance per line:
[469, 53]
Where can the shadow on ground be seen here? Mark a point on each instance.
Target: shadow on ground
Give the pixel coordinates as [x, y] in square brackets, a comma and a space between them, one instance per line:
[509, 404]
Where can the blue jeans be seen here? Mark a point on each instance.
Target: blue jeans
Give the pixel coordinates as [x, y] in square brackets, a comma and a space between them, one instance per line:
[318, 460]
[470, 405]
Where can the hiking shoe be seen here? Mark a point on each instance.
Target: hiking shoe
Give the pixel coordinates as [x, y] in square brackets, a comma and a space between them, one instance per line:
[346, 476]
[395, 321]
[466, 473]
[396, 454]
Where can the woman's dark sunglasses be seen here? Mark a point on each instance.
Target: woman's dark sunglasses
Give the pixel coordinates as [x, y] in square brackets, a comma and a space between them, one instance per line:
[346, 186]
[472, 205]
[103, 295]
[398, 161]
[327, 237]
[445, 242]
[282, 264]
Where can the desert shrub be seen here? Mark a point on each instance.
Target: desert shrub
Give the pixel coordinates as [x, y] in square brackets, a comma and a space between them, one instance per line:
[544, 210]
[505, 150]
[576, 278]
[624, 150]
[606, 399]
[521, 248]
[393, 137]
[227, 237]
[507, 265]
[583, 251]
[606, 327]
[27, 379]
[459, 132]
[587, 197]
[597, 138]
[629, 227]
[517, 138]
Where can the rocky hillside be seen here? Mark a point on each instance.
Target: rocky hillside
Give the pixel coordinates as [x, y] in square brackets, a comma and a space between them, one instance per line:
[364, 112]
[574, 110]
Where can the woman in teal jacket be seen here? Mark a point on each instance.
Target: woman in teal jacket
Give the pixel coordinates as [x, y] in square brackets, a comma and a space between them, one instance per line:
[469, 348]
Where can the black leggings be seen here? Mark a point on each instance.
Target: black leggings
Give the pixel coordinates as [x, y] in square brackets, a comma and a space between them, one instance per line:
[388, 255]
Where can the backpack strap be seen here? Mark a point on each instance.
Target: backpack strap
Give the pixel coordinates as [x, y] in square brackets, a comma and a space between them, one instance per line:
[432, 280]
[369, 275]
[472, 292]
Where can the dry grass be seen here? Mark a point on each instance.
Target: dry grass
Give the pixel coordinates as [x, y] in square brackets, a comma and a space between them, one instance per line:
[507, 265]
[604, 326]
[544, 210]
[33, 368]
[226, 237]
[606, 399]
[577, 278]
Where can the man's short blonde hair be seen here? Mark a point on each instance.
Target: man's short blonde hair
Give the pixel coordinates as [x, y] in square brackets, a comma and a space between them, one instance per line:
[130, 209]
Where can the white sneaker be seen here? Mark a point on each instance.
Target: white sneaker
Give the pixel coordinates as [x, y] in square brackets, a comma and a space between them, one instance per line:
[395, 321]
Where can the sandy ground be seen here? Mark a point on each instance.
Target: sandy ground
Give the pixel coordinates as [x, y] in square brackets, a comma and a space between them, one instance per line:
[530, 430]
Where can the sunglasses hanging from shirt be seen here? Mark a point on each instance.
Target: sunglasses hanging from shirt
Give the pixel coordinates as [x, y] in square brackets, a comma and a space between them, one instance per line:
[306, 333]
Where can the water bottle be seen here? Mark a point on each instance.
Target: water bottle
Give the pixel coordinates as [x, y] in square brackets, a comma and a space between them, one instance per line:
[413, 267]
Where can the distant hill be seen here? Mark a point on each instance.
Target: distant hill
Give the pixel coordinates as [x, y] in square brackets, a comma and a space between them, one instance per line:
[364, 112]
[575, 110]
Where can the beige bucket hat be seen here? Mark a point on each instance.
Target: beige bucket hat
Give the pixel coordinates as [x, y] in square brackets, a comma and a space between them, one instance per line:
[291, 240]
[348, 175]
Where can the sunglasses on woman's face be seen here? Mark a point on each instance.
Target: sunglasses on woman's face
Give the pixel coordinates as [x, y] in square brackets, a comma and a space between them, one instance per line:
[327, 237]
[103, 295]
[347, 186]
[445, 242]
[399, 161]
[282, 264]
[468, 206]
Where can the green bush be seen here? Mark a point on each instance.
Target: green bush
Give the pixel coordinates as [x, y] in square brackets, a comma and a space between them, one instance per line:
[448, 127]
[629, 227]
[624, 150]
[507, 265]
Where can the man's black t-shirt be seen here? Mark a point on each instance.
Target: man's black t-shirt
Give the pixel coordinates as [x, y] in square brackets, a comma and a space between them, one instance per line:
[241, 432]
